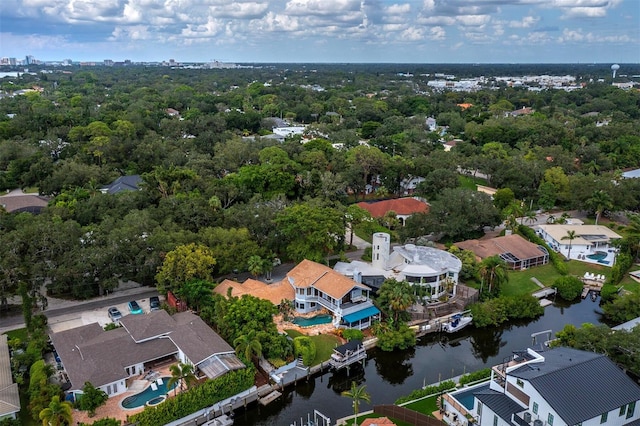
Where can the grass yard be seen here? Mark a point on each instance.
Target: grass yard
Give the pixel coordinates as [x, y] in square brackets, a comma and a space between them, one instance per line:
[424, 406]
[469, 182]
[20, 333]
[324, 344]
[520, 281]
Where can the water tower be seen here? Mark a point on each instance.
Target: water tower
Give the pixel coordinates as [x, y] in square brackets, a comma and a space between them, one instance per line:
[381, 244]
[614, 69]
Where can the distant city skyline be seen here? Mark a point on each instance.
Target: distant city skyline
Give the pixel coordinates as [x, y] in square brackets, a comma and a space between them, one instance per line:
[331, 31]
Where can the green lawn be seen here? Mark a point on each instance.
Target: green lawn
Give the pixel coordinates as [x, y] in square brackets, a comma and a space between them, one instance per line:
[520, 281]
[20, 333]
[470, 182]
[324, 345]
[424, 406]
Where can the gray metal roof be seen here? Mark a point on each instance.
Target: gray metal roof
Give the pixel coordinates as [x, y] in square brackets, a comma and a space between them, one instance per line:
[499, 403]
[9, 396]
[123, 183]
[579, 385]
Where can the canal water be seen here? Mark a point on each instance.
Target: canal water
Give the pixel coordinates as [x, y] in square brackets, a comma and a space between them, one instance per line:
[389, 375]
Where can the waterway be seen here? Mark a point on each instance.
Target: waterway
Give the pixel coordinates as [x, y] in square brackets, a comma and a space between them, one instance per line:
[436, 357]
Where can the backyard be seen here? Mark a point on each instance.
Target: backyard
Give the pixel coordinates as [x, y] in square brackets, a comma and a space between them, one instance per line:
[324, 344]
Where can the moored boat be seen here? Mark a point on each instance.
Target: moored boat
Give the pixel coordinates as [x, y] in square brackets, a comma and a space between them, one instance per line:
[456, 323]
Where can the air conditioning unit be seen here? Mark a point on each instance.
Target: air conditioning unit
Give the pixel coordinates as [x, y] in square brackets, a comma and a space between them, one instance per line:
[527, 417]
[538, 422]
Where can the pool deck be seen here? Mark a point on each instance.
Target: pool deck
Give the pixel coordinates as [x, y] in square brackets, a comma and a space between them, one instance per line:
[112, 407]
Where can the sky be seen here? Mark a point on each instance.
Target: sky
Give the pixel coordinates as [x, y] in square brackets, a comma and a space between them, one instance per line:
[330, 31]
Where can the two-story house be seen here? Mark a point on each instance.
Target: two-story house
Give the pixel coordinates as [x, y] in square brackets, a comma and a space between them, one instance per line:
[555, 387]
[317, 286]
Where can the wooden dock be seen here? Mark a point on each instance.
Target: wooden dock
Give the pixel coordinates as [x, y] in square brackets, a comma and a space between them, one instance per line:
[272, 396]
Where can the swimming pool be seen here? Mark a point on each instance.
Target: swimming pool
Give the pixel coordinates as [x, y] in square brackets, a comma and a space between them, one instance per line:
[140, 399]
[599, 255]
[316, 320]
[466, 397]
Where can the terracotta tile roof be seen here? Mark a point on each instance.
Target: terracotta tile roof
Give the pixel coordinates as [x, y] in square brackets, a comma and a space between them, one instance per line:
[513, 244]
[312, 274]
[402, 206]
[272, 292]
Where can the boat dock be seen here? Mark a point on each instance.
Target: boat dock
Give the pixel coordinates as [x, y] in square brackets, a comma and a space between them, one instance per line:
[435, 325]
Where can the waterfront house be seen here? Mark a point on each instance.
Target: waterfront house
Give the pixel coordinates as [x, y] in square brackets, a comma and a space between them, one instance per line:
[592, 243]
[518, 253]
[434, 269]
[553, 387]
[123, 183]
[317, 286]
[110, 360]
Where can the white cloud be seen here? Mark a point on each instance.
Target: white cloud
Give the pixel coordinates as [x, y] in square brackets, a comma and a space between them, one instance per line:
[132, 32]
[322, 7]
[525, 22]
[571, 36]
[473, 20]
[437, 33]
[412, 34]
[398, 9]
[584, 8]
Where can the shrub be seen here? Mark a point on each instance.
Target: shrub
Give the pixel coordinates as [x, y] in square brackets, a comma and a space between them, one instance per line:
[569, 287]
[556, 260]
[402, 338]
[501, 309]
[476, 376]
[608, 293]
[624, 261]
[429, 390]
[352, 334]
[196, 398]
[305, 347]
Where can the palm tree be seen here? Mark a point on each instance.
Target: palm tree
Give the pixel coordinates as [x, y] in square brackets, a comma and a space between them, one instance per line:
[182, 374]
[493, 271]
[357, 393]
[599, 202]
[248, 345]
[57, 413]
[571, 235]
[255, 265]
[397, 296]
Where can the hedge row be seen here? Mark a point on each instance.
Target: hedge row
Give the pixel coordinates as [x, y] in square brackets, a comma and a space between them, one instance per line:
[429, 390]
[195, 399]
[556, 260]
[476, 376]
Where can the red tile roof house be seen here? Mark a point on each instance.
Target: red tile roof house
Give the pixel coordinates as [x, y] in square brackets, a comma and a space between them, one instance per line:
[107, 359]
[403, 207]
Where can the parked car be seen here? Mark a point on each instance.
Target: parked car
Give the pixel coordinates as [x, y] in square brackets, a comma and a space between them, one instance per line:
[114, 314]
[154, 303]
[134, 308]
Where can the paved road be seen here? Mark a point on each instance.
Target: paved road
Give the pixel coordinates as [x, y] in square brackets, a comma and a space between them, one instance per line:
[17, 321]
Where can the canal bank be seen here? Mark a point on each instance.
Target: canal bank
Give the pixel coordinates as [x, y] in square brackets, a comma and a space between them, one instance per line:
[436, 357]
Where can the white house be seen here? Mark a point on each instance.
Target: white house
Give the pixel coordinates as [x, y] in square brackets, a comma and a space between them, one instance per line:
[554, 387]
[107, 359]
[429, 267]
[592, 243]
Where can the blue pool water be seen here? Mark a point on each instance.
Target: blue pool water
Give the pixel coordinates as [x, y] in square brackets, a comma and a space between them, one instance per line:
[599, 255]
[466, 397]
[139, 399]
[308, 322]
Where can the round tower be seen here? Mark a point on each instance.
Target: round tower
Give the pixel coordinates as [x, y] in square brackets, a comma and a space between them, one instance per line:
[380, 250]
